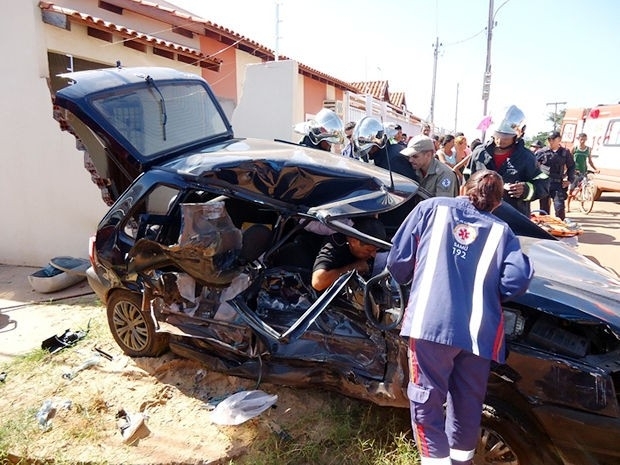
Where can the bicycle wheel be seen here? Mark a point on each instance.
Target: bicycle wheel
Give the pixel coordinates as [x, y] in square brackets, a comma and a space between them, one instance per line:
[587, 197]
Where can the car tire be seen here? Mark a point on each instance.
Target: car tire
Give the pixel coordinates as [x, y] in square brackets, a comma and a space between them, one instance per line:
[507, 438]
[132, 329]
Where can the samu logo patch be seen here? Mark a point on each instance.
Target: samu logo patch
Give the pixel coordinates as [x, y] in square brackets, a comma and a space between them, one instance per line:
[464, 234]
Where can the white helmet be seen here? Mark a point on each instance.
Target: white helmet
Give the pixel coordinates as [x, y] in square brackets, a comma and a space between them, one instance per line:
[512, 122]
[369, 132]
[326, 125]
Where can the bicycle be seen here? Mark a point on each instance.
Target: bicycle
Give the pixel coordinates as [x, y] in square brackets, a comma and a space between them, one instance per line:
[584, 193]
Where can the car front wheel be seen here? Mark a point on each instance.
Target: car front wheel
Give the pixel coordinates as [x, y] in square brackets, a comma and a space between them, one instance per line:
[508, 439]
[132, 329]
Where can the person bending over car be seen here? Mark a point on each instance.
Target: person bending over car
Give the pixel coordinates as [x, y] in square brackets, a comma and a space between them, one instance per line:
[455, 324]
[342, 254]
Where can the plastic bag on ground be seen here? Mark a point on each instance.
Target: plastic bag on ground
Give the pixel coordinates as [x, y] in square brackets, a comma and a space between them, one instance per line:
[242, 406]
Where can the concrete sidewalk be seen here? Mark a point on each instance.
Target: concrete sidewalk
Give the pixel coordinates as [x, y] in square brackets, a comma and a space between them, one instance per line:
[28, 317]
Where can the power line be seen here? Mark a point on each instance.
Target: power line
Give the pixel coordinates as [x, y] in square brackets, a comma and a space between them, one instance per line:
[468, 38]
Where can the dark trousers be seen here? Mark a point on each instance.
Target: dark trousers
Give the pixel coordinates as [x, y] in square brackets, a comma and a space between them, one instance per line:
[558, 194]
[438, 375]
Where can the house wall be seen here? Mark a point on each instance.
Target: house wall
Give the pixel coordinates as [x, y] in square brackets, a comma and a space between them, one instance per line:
[264, 110]
[314, 94]
[49, 205]
[224, 82]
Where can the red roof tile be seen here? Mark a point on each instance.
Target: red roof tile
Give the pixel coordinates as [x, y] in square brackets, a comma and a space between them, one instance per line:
[378, 89]
[172, 14]
[98, 23]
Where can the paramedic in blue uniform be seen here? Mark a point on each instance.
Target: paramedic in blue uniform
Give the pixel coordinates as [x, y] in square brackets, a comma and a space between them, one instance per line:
[463, 262]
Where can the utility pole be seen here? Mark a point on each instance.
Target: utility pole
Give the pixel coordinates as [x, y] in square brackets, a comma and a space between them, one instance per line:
[456, 109]
[555, 112]
[435, 54]
[277, 50]
[486, 81]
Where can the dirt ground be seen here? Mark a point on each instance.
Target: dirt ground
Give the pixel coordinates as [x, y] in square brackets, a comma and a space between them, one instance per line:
[174, 395]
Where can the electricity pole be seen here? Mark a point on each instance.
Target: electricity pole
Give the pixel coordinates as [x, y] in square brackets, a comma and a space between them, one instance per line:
[277, 32]
[456, 109]
[486, 81]
[555, 112]
[435, 54]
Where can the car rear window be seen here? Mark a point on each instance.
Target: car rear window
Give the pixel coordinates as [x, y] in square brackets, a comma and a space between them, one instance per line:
[162, 116]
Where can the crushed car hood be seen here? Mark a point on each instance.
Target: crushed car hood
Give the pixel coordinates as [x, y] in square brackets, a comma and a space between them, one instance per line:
[570, 285]
[308, 180]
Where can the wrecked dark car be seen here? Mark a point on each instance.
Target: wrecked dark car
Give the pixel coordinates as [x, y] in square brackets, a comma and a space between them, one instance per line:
[207, 251]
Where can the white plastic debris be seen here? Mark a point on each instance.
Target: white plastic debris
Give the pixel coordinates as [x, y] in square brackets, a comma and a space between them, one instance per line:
[242, 406]
[48, 410]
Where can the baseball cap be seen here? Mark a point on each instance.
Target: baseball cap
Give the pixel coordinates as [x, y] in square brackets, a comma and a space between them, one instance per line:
[537, 143]
[553, 135]
[417, 144]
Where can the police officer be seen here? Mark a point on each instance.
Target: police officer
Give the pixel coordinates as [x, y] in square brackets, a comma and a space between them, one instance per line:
[558, 163]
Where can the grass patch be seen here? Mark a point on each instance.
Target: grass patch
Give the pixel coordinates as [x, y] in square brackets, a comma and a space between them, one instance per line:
[35, 377]
[351, 432]
[306, 426]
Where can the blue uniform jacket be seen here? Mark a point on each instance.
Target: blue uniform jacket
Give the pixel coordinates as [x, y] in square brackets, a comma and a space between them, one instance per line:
[464, 263]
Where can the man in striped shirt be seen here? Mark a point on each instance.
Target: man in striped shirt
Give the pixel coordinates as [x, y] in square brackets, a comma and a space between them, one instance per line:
[462, 262]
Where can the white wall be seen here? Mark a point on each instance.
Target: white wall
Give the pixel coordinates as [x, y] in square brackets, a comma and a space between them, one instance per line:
[49, 205]
[264, 109]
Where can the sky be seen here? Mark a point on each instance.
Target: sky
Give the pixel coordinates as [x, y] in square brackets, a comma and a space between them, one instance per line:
[545, 55]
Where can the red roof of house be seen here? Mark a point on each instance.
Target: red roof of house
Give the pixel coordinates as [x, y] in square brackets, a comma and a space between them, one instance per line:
[183, 20]
[378, 89]
[200, 58]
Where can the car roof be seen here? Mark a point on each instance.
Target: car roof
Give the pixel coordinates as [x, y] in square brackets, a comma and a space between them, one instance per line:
[85, 83]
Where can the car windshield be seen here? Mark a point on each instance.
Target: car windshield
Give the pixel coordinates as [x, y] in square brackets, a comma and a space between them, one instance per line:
[162, 116]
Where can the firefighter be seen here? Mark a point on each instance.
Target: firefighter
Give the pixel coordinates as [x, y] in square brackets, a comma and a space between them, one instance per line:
[505, 153]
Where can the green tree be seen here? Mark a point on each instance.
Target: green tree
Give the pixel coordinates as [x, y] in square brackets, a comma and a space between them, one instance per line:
[556, 119]
[541, 136]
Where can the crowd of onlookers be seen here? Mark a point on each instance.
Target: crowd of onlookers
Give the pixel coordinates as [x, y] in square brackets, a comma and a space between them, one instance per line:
[436, 162]
[441, 164]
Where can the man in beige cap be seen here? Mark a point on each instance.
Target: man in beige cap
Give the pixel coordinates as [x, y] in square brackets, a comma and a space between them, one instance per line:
[435, 177]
